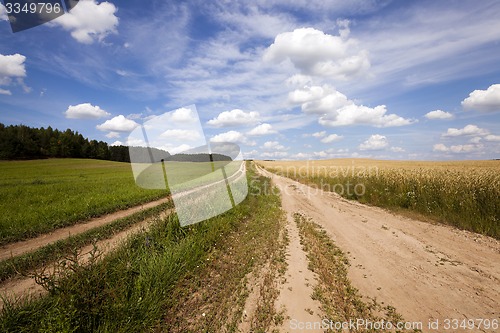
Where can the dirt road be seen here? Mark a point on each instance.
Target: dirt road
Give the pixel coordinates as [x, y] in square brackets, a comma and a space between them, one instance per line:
[428, 272]
[21, 286]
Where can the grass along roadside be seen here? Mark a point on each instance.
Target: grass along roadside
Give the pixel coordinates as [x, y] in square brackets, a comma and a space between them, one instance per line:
[214, 296]
[164, 279]
[340, 301]
[42, 195]
[464, 194]
[49, 253]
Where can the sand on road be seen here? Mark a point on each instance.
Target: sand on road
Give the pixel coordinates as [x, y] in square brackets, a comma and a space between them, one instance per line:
[427, 272]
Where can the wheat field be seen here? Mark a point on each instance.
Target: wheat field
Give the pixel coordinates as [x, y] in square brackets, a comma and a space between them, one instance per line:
[465, 194]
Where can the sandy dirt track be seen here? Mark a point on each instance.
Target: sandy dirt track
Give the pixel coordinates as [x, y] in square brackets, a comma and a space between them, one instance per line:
[19, 287]
[426, 271]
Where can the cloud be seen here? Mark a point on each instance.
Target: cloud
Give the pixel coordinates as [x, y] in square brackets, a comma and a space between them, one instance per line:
[262, 129]
[89, 21]
[467, 130]
[374, 142]
[492, 138]
[332, 138]
[181, 134]
[234, 117]
[483, 100]
[299, 80]
[231, 136]
[440, 147]
[397, 149]
[337, 110]
[118, 124]
[319, 134]
[274, 154]
[113, 135]
[117, 143]
[456, 148]
[184, 115]
[12, 67]
[438, 114]
[85, 111]
[173, 149]
[273, 145]
[315, 53]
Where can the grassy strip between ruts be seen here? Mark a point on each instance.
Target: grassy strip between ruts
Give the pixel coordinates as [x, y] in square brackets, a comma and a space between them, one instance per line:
[167, 279]
[53, 251]
[340, 301]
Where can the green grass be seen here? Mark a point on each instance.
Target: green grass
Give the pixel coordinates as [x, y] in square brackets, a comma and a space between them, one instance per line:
[42, 195]
[163, 280]
[185, 175]
[27, 262]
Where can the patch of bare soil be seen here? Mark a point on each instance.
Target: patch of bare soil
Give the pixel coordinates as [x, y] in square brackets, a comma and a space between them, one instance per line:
[427, 272]
[21, 287]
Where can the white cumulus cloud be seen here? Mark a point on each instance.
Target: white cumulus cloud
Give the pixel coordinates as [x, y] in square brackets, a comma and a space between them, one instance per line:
[118, 124]
[492, 138]
[438, 114]
[85, 111]
[314, 52]
[273, 145]
[374, 142]
[113, 135]
[12, 66]
[467, 130]
[274, 154]
[262, 129]
[319, 134]
[397, 149]
[332, 138]
[89, 21]
[231, 136]
[483, 100]
[299, 80]
[337, 110]
[456, 148]
[234, 117]
[184, 115]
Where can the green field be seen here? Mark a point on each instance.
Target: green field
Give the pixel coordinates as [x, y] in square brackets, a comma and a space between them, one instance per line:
[41, 195]
[151, 283]
[183, 175]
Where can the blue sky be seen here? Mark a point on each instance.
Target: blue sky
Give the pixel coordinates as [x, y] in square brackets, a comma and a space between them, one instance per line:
[415, 80]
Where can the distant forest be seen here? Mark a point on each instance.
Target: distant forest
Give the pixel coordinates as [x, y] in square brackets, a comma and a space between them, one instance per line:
[20, 142]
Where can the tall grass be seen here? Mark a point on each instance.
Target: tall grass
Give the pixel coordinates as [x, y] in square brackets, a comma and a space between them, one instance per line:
[130, 290]
[42, 195]
[463, 194]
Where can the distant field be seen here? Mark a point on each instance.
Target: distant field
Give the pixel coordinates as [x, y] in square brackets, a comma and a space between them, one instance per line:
[184, 175]
[42, 195]
[465, 194]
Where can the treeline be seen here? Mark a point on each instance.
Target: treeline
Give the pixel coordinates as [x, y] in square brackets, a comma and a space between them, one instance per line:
[19, 142]
[23, 142]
